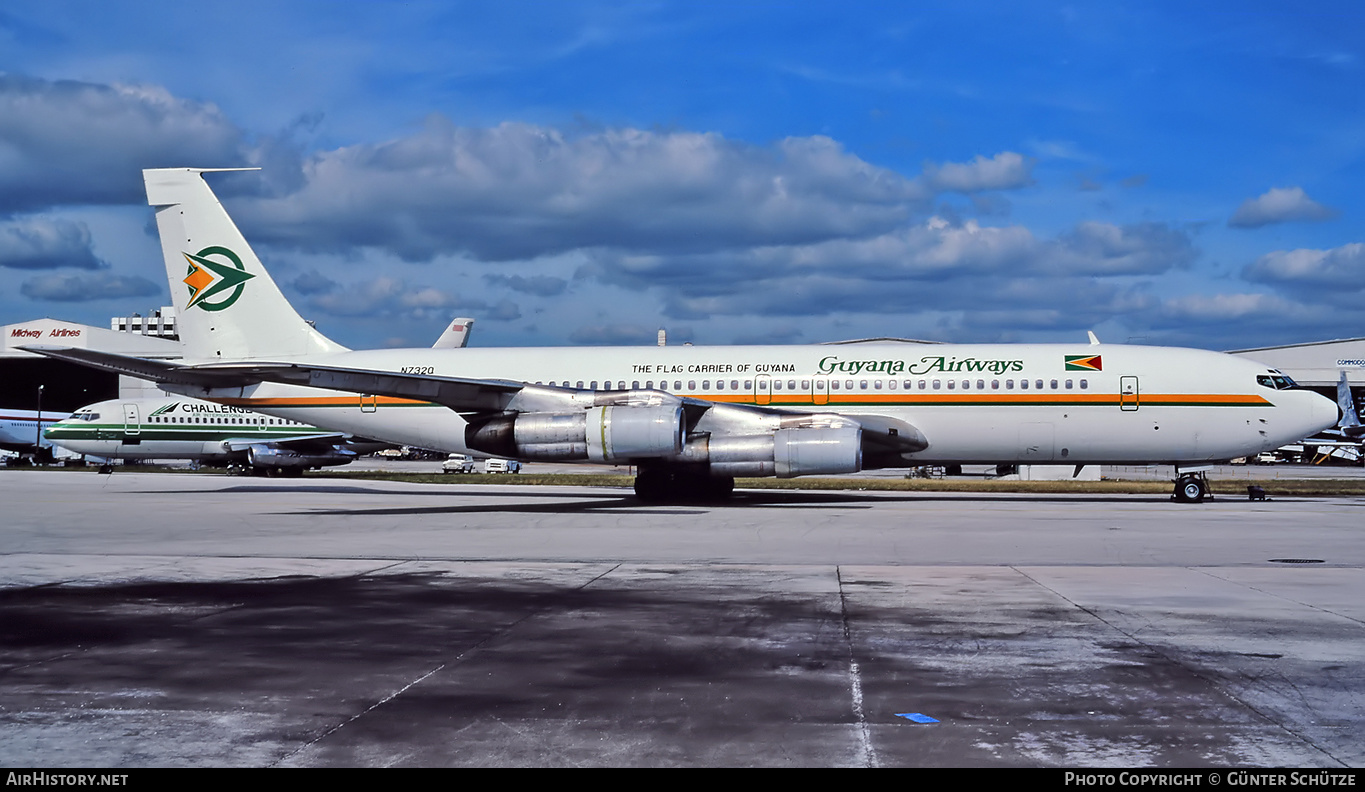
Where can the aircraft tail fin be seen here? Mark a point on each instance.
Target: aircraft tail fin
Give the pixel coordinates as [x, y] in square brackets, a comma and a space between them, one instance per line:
[227, 305]
[1349, 422]
[456, 335]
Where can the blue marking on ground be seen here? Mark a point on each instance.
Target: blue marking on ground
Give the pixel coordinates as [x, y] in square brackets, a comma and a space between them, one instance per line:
[917, 717]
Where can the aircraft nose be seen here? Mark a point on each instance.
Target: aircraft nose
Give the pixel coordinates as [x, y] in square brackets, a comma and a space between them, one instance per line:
[1324, 412]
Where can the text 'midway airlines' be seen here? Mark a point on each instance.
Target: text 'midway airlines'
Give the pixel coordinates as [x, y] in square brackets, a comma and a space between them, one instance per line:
[692, 418]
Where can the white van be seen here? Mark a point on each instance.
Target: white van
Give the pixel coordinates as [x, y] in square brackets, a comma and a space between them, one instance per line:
[501, 466]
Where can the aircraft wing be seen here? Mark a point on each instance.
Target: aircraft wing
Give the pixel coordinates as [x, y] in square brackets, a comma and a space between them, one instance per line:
[459, 394]
[160, 371]
[881, 436]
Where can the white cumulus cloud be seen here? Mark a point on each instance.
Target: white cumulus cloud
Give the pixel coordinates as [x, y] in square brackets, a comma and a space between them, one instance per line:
[1338, 268]
[43, 243]
[88, 286]
[1005, 171]
[69, 142]
[1280, 205]
[521, 191]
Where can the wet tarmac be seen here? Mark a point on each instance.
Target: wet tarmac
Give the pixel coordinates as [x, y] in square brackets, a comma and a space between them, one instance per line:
[190, 620]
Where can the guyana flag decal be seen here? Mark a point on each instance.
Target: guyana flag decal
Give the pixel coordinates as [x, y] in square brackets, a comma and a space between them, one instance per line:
[1084, 363]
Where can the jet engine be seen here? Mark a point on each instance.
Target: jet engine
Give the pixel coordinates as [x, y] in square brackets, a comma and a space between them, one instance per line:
[610, 433]
[784, 453]
[267, 457]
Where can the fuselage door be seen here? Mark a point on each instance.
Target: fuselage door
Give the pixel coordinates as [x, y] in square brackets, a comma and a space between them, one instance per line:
[132, 421]
[1128, 393]
[368, 402]
[763, 389]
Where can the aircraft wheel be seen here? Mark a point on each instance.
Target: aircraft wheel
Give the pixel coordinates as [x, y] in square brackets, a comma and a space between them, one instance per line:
[1189, 489]
[718, 488]
[661, 485]
[652, 485]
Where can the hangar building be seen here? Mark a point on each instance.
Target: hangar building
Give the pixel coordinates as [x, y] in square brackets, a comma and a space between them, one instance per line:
[67, 386]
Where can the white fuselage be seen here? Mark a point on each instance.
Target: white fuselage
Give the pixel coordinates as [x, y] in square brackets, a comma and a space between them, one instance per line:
[1018, 403]
[19, 429]
[169, 428]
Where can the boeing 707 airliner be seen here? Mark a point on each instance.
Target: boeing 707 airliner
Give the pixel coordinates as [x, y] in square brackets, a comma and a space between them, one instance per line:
[692, 418]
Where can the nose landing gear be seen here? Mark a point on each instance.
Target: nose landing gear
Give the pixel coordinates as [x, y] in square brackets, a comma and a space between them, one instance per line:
[1191, 487]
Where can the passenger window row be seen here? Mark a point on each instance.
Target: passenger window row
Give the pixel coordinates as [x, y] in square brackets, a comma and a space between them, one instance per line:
[804, 385]
[224, 421]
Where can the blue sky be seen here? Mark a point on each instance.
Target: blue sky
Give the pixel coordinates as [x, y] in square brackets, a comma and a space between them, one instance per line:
[585, 173]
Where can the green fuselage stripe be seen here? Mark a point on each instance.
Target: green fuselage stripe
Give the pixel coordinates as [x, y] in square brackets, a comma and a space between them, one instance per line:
[200, 433]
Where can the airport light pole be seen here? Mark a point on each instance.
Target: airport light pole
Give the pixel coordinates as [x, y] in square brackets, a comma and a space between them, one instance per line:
[38, 441]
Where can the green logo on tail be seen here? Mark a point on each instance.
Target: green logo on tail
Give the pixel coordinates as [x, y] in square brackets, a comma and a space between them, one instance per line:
[209, 278]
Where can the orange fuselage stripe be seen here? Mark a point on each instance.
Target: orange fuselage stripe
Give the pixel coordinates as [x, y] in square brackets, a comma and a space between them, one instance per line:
[893, 399]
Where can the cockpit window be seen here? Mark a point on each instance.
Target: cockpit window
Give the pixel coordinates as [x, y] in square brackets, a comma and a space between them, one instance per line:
[1276, 381]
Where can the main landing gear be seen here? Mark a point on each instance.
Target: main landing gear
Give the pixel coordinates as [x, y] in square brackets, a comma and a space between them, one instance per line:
[1191, 488]
[262, 471]
[673, 485]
